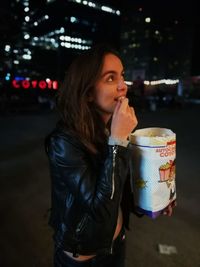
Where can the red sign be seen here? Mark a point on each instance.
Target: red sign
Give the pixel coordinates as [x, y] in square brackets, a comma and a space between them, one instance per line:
[41, 84]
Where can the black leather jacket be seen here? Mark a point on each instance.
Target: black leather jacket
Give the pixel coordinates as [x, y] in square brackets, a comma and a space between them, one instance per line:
[87, 190]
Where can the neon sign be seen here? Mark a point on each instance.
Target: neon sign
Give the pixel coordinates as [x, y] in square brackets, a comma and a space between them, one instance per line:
[31, 84]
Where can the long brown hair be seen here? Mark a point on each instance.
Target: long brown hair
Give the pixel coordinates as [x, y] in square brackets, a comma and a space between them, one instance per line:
[79, 115]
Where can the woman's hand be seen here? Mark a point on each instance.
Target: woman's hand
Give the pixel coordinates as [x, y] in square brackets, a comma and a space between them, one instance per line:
[169, 209]
[123, 121]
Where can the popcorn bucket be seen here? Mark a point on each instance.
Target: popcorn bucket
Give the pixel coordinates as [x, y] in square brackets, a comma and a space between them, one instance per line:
[153, 169]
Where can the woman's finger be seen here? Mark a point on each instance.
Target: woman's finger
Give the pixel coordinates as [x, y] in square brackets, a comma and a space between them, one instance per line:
[124, 105]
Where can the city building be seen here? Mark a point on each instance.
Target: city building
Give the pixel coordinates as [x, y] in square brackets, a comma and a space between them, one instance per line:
[52, 32]
[40, 39]
[157, 39]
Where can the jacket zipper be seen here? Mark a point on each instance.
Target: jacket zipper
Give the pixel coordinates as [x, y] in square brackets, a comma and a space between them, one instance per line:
[81, 224]
[113, 171]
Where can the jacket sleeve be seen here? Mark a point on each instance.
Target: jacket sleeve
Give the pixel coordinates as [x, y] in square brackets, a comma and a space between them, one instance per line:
[94, 186]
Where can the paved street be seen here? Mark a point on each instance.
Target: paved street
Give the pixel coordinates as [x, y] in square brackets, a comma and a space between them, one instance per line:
[25, 195]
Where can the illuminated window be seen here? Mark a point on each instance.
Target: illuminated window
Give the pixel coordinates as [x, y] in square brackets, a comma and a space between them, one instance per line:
[45, 17]
[75, 43]
[27, 18]
[7, 48]
[148, 20]
[73, 20]
[97, 6]
[107, 9]
[26, 57]
[26, 36]
[7, 78]
[16, 62]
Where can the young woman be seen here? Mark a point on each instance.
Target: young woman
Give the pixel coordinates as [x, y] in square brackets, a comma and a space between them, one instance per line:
[89, 153]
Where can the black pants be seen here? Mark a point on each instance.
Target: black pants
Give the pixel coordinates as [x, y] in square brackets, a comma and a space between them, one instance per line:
[116, 259]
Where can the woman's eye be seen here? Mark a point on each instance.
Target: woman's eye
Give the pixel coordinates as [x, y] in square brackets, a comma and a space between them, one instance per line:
[110, 79]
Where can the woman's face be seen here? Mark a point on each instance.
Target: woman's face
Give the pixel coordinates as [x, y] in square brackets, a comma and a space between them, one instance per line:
[110, 86]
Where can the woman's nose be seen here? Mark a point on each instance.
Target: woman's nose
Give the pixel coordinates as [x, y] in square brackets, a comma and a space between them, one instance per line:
[121, 85]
